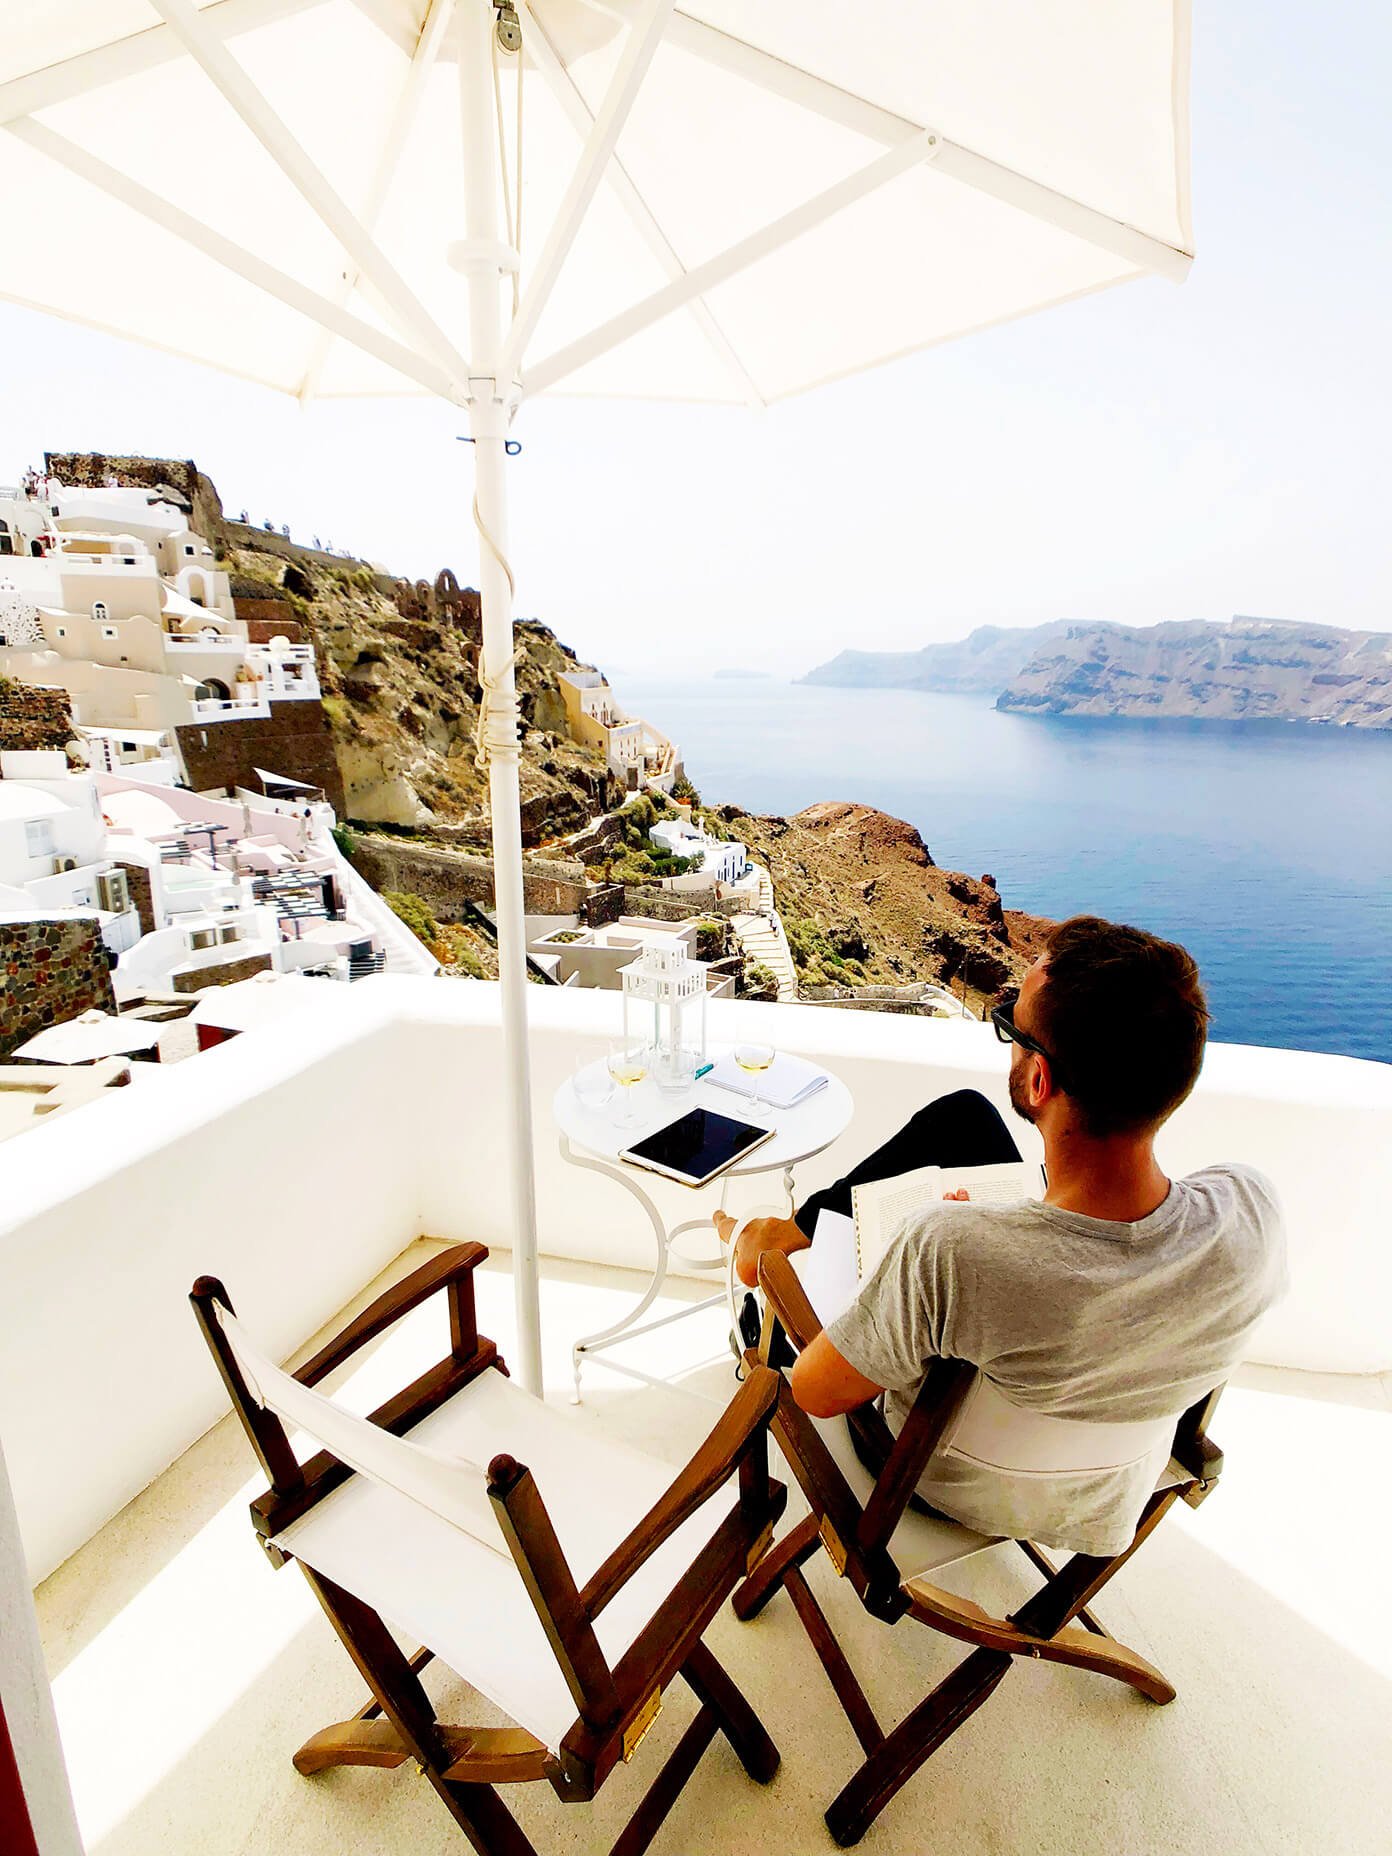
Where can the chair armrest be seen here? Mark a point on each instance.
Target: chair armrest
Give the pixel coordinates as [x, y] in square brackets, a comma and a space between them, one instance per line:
[787, 1298]
[741, 1425]
[452, 1269]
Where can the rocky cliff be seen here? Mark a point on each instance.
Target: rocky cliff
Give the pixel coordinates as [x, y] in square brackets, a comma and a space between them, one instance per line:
[1246, 670]
[863, 903]
[986, 660]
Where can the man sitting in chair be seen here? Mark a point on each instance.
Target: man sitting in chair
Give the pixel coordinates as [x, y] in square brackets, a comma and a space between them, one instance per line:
[1123, 1297]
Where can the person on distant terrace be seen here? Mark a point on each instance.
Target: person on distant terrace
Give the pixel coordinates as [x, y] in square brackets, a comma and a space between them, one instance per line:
[1123, 1296]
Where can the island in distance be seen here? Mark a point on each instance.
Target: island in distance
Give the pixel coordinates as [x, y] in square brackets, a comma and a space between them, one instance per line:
[1245, 670]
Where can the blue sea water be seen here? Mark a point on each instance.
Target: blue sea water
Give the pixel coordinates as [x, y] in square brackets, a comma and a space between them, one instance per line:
[1265, 847]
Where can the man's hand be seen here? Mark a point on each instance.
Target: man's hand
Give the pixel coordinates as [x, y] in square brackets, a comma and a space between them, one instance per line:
[759, 1235]
[960, 1194]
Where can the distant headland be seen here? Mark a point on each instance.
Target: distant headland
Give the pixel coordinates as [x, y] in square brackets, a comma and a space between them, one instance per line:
[1248, 669]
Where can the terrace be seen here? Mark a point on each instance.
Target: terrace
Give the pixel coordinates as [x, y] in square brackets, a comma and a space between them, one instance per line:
[185, 1673]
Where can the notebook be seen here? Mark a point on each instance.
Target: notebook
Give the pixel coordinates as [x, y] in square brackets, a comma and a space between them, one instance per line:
[882, 1206]
[788, 1080]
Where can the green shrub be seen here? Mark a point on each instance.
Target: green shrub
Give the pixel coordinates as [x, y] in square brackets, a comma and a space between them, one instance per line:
[414, 911]
[758, 981]
[710, 938]
[346, 841]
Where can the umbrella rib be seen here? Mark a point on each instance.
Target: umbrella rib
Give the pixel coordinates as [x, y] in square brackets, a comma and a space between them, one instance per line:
[732, 260]
[568, 94]
[427, 47]
[130, 56]
[270, 130]
[646, 30]
[235, 258]
[871, 120]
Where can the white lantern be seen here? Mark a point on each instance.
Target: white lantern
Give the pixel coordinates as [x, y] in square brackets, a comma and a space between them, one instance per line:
[664, 1000]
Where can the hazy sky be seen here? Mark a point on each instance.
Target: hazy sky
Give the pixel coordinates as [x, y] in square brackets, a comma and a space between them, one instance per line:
[1148, 453]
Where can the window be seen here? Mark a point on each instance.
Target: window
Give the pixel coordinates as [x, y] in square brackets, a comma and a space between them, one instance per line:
[187, 548]
[203, 937]
[38, 837]
[108, 631]
[99, 611]
[61, 630]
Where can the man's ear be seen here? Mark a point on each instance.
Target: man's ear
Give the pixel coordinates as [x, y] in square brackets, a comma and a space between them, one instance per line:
[1042, 1084]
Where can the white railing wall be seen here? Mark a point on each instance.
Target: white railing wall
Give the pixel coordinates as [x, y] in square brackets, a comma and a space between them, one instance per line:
[296, 1161]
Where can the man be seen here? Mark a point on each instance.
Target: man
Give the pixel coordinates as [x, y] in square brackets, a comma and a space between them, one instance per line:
[1124, 1296]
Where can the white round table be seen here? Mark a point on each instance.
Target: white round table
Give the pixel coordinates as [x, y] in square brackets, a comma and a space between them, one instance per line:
[594, 1140]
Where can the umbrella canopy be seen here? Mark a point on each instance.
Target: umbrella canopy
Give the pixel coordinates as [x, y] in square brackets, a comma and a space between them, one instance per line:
[487, 201]
[88, 1037]
[717, 202]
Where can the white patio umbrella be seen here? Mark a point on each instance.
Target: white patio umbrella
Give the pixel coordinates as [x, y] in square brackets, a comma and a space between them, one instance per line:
[717, 201]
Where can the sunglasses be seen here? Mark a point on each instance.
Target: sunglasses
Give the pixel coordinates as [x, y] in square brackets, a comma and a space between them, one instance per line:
[1003, 1018]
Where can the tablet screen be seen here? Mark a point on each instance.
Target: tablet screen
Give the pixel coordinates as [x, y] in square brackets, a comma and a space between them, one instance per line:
[697, 1146]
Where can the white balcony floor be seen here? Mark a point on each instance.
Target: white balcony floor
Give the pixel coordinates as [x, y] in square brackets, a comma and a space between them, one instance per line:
[186, 1672]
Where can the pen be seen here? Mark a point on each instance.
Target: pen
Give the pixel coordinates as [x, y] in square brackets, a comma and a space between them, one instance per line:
[705, 1067]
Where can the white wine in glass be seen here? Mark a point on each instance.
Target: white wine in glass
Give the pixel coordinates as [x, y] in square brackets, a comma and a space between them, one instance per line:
[754, 1059]
[628, 1064]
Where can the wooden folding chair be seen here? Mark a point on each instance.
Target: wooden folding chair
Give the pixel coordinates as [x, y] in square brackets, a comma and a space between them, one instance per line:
[575, 1642]
[887, 1552]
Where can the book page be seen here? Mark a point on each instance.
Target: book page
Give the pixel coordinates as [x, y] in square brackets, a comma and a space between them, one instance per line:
[884, 1206]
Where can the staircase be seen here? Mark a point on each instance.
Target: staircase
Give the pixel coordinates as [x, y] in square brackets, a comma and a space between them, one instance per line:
[761, 937]
[404, 953]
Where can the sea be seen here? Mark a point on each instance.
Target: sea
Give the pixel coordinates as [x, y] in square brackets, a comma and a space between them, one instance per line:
[1266, 848]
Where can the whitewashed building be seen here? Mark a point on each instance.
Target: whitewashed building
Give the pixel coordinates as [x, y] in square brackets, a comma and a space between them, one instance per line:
[109, 595]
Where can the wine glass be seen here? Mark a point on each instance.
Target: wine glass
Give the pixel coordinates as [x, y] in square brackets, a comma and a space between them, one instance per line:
[628, 1064]
[754, 1059]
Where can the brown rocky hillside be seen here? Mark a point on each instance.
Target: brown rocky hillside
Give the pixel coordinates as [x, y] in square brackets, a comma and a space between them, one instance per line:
[402, 694]
[863, 903]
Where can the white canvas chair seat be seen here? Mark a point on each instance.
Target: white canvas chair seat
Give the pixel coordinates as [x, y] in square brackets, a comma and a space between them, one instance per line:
[414, 1534]
[920, 1544]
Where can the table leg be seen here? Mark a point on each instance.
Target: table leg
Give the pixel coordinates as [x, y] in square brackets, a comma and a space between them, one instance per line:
[646, 1300]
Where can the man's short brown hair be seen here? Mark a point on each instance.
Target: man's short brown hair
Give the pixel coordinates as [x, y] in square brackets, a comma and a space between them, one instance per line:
[1124, 1015]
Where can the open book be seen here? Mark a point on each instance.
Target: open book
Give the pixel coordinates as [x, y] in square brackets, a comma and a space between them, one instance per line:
[883, 1206]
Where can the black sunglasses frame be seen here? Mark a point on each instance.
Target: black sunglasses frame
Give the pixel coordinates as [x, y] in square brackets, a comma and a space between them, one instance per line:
[1003, 1020]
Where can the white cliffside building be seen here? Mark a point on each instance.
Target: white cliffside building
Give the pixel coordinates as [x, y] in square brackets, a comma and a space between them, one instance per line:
[54, 852]
[635, 752]
[723, 860]
[110, 596]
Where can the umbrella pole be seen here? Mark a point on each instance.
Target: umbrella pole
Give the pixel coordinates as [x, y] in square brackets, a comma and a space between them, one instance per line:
[488, 424]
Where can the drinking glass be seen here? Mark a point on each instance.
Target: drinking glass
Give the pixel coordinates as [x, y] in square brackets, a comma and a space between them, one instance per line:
[675, 1070]
[628, 1064]
[594, 1089]
[754, 1059]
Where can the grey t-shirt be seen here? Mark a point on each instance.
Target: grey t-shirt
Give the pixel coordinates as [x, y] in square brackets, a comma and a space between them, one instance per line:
[1079, 1317]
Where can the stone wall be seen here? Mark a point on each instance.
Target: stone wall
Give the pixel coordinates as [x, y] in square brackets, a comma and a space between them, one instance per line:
[94, 468]
[49, 972]
[31, 719]
[448, 879]
[294, 741]
[221, 972]
[142, 899]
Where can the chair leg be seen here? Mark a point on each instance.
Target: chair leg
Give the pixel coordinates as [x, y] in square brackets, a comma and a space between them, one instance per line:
[662, 1794]
[736, 1719]
[902, 1752]
[352, 1743]
[483, 1817]
[763, 1583]
[832, 1657]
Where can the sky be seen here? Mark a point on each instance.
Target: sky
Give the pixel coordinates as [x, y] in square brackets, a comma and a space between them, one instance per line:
[1153, 452]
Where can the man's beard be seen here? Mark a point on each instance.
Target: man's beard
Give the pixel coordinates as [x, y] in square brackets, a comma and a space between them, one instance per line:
[1019, 1101]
